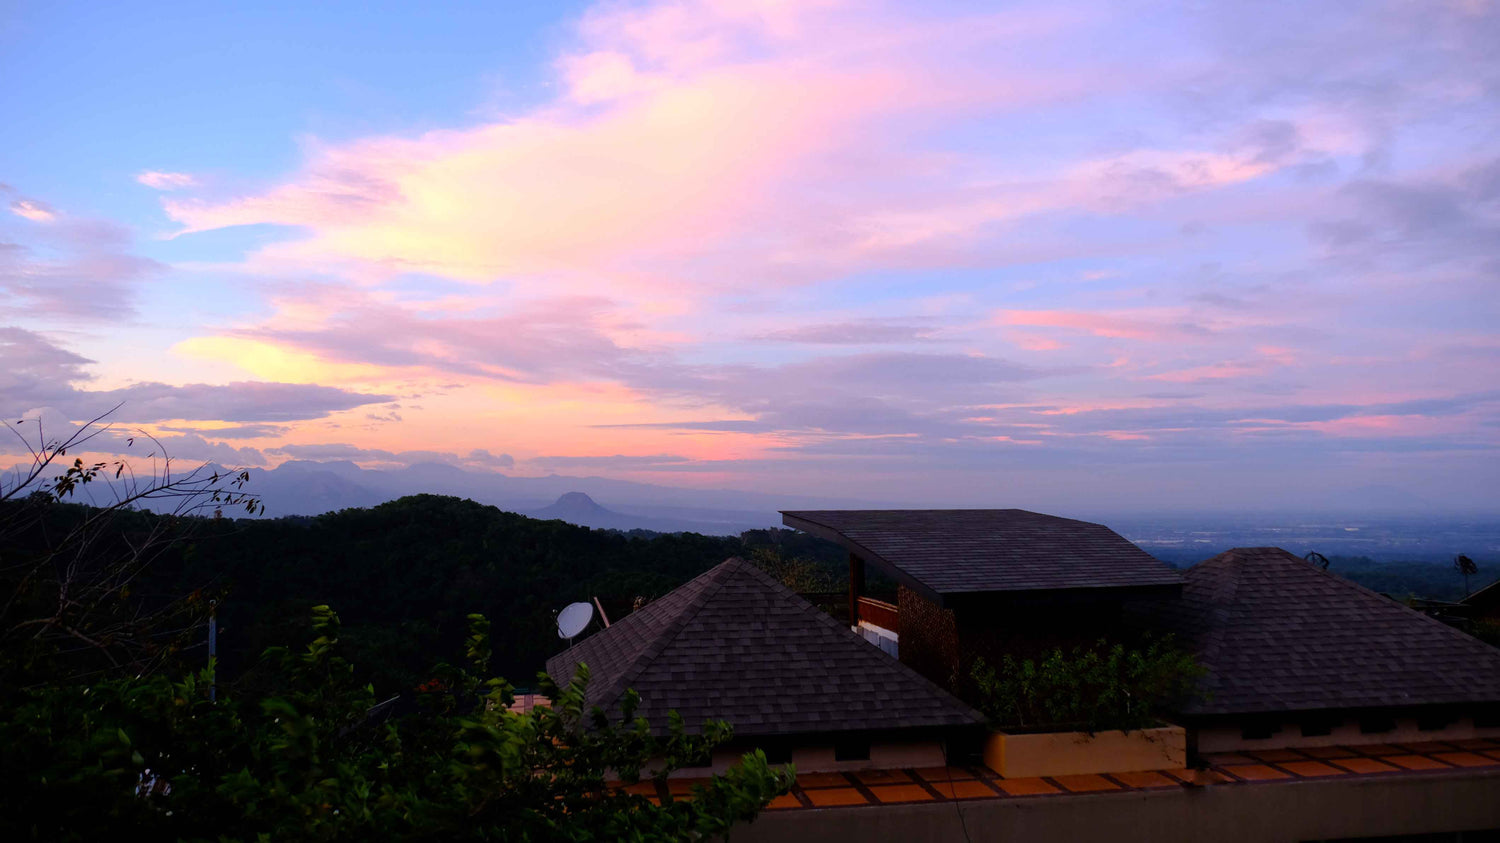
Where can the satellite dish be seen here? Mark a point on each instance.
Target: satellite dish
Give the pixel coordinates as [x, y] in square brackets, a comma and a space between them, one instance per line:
[573, 618]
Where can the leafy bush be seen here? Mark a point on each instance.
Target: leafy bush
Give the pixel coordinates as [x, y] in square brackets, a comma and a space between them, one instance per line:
[156, 758]
[1099, 688]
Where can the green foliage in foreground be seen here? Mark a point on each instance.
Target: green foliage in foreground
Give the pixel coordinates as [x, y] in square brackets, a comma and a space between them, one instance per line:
[155, 757]
[1099, 688]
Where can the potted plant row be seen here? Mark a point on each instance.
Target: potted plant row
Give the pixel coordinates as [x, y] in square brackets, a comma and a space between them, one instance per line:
[1096, 709]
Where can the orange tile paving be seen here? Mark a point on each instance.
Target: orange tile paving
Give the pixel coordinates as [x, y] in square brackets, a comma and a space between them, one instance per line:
[784, 801]
[1274, 755]
[1144, 780]
[1256, 772]
[1363, 765]
[822, 780]
[882, 777]
[1311, 769]
[1025, 787]
[1085, 783]
[942, 784]
[1328, 751]
[943, 774]
[1416, 762]
[836, 796]
[967, 789]
[901, 793]
[1464, 759]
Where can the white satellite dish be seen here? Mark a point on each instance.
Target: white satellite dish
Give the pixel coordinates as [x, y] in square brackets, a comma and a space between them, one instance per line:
[573, 618]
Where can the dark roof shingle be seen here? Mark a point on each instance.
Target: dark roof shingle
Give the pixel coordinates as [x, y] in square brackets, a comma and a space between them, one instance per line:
[951, 551]
[736, 645]
[1277, 634]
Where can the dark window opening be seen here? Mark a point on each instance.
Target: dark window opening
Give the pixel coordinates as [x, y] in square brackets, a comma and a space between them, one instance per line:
[1318, 727]
[1434, 722]
[960, 752]
[851, 749]
[1376, 724]
[1259, 730]
[777, 753]
[1487, 718]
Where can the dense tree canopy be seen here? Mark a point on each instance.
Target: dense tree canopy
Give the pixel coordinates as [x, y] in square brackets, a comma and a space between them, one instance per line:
[156, 758]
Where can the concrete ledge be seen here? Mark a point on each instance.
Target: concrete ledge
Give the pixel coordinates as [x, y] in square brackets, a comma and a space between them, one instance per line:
[1287, 811]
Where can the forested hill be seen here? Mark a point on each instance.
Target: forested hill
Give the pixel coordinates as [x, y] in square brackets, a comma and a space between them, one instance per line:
[403, 575]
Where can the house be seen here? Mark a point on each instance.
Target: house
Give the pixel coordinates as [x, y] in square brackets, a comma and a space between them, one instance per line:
[1296, 656]
[975, 582]
[1328, 712]
[1299, 657]
[734, 644]
[1484, 604]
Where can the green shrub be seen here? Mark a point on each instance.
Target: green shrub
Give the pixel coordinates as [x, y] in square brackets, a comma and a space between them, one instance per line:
[158, 758]
[1099, 688]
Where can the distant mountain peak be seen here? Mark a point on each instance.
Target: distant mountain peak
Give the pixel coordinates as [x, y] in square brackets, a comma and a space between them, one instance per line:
[577, 503]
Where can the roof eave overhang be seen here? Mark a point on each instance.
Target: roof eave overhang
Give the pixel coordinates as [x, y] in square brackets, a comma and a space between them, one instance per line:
[1121, 592]
[823, 531]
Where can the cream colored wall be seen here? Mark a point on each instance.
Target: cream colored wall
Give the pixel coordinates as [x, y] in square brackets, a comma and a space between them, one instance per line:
[1228, 739]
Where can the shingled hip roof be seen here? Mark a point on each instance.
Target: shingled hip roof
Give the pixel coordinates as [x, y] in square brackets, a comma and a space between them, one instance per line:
[955, 551]
[1277, 635]
[734, 644]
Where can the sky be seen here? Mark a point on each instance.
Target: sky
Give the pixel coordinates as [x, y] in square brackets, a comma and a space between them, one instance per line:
[1131, 255]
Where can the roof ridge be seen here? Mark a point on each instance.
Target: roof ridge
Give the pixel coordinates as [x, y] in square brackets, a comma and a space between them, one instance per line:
[1468, 639]
[866, 649]
[716, 576]
[1228, 611]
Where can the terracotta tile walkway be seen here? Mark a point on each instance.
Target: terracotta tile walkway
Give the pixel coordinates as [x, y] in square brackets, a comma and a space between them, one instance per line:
[945, 784]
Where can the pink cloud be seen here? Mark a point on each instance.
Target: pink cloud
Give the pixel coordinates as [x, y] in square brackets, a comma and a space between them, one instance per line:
[697, 147]
[1145, 325]
[1213, 371]
[159, 180]
[1034, 342]
[32, 210]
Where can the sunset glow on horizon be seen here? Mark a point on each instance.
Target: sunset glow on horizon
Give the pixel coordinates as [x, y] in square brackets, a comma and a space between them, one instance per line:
[1130, 255]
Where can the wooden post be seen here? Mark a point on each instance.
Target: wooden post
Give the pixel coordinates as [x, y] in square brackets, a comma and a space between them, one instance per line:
[856, 587]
